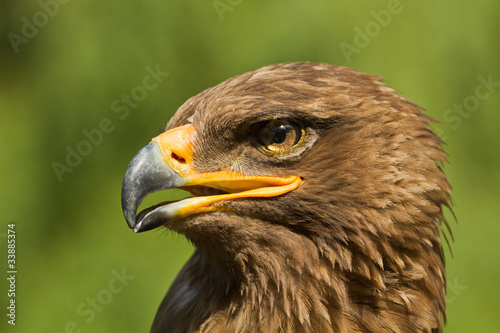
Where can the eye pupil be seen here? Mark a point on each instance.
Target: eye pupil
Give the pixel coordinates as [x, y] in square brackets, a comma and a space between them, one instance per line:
[279, 135]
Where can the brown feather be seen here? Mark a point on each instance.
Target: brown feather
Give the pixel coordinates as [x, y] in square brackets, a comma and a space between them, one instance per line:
[356, 248]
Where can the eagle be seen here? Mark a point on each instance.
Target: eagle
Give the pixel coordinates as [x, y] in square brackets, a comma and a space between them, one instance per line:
[317, 205]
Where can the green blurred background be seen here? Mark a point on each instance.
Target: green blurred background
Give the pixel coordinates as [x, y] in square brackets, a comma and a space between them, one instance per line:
[62, 68]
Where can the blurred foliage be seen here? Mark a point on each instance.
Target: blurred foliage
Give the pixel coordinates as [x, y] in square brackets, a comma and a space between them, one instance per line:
[85, 54]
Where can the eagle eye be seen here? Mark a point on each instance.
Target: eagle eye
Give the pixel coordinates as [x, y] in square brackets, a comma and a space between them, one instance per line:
[279, 135]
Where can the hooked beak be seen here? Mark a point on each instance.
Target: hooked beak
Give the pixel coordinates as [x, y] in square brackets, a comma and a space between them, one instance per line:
[167, 163]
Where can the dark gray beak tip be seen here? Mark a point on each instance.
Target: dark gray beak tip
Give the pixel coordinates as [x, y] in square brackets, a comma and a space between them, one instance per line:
[132, 192]
[146, 173]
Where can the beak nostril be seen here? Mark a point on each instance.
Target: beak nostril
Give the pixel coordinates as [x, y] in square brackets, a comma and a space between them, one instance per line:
[178, 158]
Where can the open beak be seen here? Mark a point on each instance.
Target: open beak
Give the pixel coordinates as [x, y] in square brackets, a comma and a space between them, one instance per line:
[167, 162]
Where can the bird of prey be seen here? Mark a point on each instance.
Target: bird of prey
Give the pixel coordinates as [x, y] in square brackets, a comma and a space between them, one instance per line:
[317, 205]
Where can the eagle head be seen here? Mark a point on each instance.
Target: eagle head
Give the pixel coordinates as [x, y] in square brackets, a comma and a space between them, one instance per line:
[317, 203]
